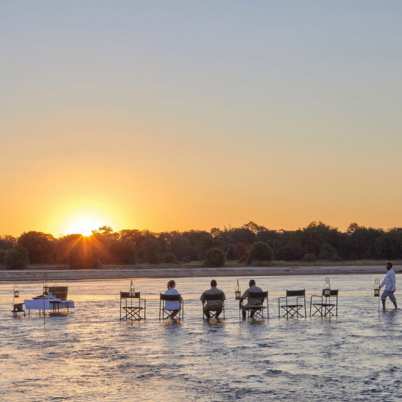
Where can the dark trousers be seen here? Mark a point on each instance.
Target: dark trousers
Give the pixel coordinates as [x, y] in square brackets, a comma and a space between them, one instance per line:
[244, 312]
[207, 311]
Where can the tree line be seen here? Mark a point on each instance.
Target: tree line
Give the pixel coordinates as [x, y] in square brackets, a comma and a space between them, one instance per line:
[248, 244]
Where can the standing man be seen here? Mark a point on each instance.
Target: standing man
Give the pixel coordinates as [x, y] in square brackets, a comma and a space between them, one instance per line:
[389, 285]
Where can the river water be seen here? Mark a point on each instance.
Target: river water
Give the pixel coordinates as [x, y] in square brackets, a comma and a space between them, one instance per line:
[91, 356]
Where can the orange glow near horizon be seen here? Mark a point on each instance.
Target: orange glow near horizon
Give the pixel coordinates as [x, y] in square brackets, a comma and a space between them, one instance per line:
[83, 224]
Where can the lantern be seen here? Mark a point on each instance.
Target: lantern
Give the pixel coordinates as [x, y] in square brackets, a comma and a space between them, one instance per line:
[376, 288]
[237, 292]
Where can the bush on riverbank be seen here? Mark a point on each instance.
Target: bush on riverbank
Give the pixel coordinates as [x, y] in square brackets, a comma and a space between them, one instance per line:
[16, 258]
[260, 251]
[315, 242]
[215, 258]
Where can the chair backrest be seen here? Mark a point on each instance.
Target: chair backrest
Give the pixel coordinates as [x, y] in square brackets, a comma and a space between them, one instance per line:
[60, 292]
[214, 297]
[329, 292]
[296, 293]
[258, 295]
[170, 297]
[130, 295]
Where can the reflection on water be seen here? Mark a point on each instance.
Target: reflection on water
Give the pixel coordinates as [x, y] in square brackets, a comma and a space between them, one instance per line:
[90, 355]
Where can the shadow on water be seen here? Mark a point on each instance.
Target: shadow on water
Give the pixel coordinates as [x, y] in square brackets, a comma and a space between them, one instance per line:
[390, 317]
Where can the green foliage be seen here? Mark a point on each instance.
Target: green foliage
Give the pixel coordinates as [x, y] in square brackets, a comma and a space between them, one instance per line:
[83, 255]
[328, 252]
[169, 258]
[40, 247]
[260, 251]
[389, 245]
[16, 258]
[309, 257]
[291, 251]
[215, 257]
[247, 243]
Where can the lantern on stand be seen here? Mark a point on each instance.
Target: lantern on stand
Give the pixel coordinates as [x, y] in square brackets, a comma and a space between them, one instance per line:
[132, 288]
[376, 288]
[327, 287]
[237, 291]
[18, 307]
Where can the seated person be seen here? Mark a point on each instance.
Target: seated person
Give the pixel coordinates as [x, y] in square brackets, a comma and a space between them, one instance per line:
[212, 305]
[170, 305]
[251, 301]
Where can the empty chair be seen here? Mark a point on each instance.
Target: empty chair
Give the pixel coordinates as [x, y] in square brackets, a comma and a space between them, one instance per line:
[171, 303]
[293, 305]
[325, 305]
[132, 306]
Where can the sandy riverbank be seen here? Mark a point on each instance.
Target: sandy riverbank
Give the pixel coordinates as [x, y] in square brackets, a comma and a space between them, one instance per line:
[29, 275]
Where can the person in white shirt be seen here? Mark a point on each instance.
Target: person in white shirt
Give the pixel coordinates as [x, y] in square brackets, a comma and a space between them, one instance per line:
[389, 285]
[172, 305]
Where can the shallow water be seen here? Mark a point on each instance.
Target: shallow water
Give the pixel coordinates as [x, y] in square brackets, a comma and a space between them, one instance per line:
[90, 355]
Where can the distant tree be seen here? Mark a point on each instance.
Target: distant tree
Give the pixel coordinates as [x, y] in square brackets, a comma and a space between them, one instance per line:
[359, 242]
[40, 247]
[241, 235]
[105, 241]
[122, 251]
[316, 234]
[328, 252]
[309, 257]
[291, 251]
[260, 251]
[105, 246]
[149, 250]
[389, 245]
[16, 258]
[215, 257]
[182, 248]
[200, 242]
[268, 236]
[253, 227]
[63, 247]
[238, 251]
[215, 232]
[169, 258]
[83, 255]
[7, 242]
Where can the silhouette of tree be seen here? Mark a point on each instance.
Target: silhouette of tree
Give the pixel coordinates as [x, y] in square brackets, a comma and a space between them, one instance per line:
[215, 257]
[16, 258]
[40, 247]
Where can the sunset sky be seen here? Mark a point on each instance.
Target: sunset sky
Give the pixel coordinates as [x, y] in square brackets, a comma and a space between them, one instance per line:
[189, 114]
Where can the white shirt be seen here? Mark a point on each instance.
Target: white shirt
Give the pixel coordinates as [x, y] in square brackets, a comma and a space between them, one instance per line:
[389, 282]
[172, 305]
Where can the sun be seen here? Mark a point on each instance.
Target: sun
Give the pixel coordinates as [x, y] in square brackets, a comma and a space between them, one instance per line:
[84, 225]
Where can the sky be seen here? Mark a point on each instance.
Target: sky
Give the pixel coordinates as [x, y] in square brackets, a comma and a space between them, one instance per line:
[191, 115]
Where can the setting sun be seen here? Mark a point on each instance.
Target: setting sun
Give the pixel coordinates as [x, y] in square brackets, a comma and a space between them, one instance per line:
[84, 225]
